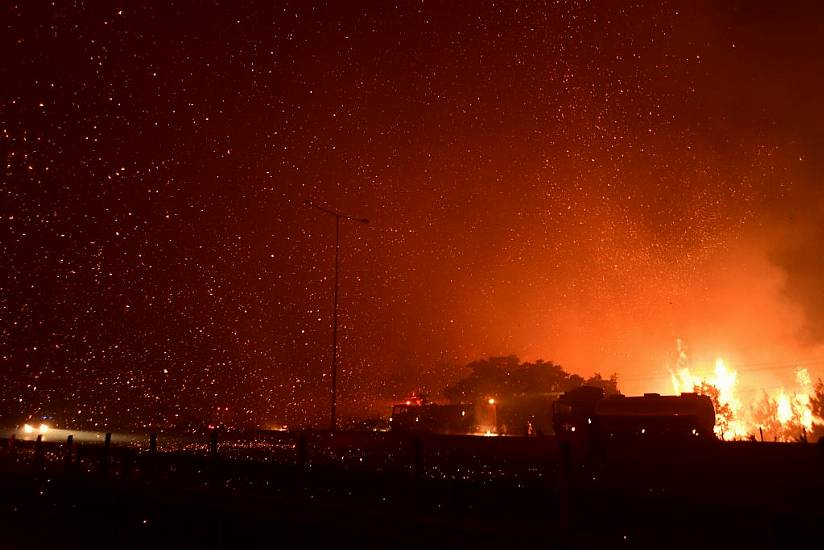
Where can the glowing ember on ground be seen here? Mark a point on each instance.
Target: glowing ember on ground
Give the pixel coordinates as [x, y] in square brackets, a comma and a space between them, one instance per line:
[780, 414]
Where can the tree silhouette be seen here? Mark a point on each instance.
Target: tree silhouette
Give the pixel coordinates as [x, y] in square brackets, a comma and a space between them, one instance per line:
[502, 377]
[723, 412]
[817, 406]
[817, 399]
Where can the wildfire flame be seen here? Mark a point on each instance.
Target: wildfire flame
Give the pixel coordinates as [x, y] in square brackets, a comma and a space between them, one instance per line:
[780, 415]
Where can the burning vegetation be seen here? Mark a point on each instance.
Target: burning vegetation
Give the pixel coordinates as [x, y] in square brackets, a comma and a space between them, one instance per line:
[778, 414]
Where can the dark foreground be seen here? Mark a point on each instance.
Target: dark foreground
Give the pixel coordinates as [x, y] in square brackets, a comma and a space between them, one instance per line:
[382, 490]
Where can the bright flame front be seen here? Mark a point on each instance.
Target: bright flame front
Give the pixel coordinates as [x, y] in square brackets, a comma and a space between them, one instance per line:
[779, 415]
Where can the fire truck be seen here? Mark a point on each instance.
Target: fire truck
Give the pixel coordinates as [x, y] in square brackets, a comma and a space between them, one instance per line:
[420, 416]
[586, 411]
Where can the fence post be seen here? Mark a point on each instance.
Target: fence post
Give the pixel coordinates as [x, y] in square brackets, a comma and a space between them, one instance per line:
[38, 450]
[418, 467]
[69, 448]
[104, 458]
[153, 442]
[300, 465]
[302, 451]
[13, 447]
[565, 484]
[213, 443]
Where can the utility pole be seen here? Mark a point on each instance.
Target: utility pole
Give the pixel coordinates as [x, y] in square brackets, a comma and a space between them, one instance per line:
[333, 426]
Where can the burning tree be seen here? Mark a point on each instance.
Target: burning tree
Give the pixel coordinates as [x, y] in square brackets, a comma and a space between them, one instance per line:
[777, 418]
[817, 399]
[724, 415]
[720, 388]
[781, 414]
[817, 407]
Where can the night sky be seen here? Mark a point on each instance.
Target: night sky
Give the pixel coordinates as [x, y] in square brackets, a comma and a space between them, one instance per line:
[581, 182]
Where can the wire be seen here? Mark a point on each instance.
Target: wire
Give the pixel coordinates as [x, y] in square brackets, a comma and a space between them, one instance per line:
[739, 368]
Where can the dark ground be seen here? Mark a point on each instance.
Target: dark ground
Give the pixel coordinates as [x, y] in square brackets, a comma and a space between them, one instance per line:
[384, 490]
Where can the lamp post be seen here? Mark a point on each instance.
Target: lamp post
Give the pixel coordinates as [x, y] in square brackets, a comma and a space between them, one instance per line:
[338, 217]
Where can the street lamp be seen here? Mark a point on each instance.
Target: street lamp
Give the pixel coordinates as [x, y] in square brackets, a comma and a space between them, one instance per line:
[338, 217]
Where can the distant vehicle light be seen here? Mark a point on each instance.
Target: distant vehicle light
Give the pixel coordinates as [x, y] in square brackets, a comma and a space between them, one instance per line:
[491, 401]
[43, 428]
[573, 429]
[27, 428]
